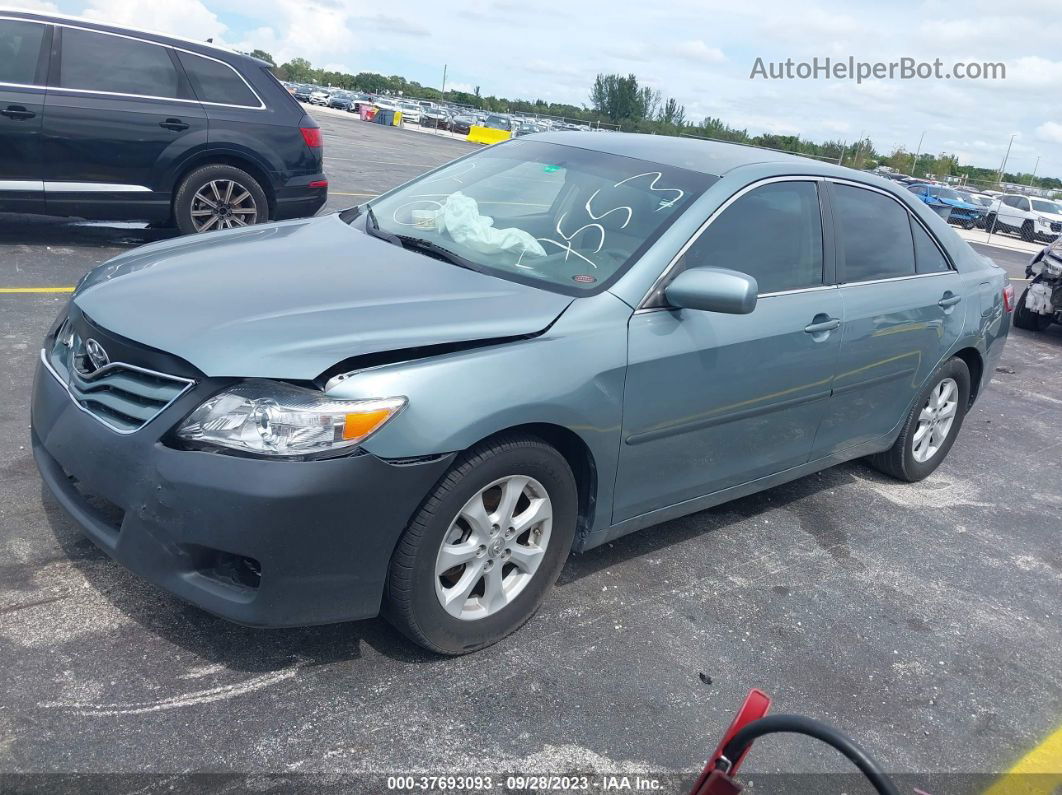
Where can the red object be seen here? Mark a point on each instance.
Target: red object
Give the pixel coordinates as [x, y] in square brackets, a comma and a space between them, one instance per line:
[712, 781]
[319, 183]
[312, 137]
[1008, 297]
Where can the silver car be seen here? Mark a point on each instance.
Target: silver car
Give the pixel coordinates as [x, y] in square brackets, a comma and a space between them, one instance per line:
[422, 405]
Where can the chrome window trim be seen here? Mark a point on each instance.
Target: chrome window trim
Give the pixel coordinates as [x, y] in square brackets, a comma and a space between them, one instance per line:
[898, 278]
[910, 215]
[94, 187]
[261, 104]
[21, 185]
[22, 85]
[708, 221]
[188, 384]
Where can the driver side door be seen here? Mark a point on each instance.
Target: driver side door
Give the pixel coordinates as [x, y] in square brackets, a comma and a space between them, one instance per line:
[716, 400]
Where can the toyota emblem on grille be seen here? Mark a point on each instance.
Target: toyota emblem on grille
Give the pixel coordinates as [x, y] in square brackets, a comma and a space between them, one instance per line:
[96, 354]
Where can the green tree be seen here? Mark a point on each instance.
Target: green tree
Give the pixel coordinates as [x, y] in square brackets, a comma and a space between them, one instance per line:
[262, 55]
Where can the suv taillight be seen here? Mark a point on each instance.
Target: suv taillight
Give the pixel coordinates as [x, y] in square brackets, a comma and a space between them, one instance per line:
[312, 137]
[1008, 298]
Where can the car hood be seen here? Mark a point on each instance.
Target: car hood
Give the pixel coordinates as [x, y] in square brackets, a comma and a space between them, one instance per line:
[292, 299]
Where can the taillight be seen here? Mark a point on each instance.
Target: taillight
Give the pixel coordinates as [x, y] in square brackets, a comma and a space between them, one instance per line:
[312, 137]
[318, 183]
[1008, 298]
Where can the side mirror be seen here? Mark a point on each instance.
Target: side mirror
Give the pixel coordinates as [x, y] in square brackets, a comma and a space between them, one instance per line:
[713, 290]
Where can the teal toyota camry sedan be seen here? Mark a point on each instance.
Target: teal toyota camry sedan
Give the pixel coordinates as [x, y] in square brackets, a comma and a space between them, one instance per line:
[422, 405]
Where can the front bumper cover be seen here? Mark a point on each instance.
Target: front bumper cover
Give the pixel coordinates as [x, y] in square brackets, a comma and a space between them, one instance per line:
[320, 533]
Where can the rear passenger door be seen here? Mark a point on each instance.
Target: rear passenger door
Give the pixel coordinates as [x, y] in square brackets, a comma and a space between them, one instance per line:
[902, 314]
[24, 48]
[120, 114]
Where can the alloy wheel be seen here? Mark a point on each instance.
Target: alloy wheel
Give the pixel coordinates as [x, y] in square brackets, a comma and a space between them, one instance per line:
[935, 420]
[493, 547]
[223, 204]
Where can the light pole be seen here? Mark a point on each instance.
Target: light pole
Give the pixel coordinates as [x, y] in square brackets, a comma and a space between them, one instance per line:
[918, 151]
[1003, 166]
[1033, 175]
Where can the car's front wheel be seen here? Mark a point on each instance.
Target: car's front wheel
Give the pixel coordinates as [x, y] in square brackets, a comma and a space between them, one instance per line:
[931, 426]
[1028, 234]
[1025, 319]
[486, 546]
[219, 197]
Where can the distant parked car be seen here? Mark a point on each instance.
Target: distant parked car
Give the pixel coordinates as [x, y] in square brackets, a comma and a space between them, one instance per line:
[302, 93]
[436, 119]
[319, 97]
[141, 126]
[528, 128]
[411, 112]
[340, 100]
[496, 122]
[1032, 218]
[463, 124]
[948, 204]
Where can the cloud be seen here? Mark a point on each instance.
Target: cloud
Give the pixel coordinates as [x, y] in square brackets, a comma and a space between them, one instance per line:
[189, 19]
[697, 50]
[385, 23]
[1050, 131]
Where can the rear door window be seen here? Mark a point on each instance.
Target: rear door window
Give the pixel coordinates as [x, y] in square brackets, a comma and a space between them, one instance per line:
[20, 47]
[772, 233]
[115, 64]
[875, 234]
[216, 82]
[928, 257]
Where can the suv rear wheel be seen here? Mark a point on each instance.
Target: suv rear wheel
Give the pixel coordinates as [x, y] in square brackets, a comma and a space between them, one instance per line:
[1027, 233]
[485, 548]
[219, 197]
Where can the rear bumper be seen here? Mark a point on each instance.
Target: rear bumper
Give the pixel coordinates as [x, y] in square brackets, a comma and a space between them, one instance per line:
[296, 199]
[197, 524]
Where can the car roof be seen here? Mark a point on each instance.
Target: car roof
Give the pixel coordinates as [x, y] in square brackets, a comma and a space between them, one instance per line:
[694, 154]
[162, 38]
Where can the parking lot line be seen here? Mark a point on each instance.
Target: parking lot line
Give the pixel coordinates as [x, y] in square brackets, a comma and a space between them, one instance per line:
[4, 290]
[1039, 771]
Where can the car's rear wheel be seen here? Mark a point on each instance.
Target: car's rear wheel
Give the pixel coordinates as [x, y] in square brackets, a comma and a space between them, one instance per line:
[1030, 321]
[1027, 233]
[931, 426]
[486, 546]
[219, 197]
[990, 222]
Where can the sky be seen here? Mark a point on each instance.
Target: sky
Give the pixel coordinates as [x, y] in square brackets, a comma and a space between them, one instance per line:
[699, 51]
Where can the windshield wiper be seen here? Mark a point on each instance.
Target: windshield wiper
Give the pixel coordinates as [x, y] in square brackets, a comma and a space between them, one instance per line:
[435, 250]
[372, 226]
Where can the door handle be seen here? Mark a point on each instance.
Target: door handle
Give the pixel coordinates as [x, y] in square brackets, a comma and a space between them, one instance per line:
[17, 112]
[173, 124]
[949, 300]
[826, 324]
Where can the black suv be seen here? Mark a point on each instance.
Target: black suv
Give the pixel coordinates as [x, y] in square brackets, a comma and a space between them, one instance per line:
[108, 123]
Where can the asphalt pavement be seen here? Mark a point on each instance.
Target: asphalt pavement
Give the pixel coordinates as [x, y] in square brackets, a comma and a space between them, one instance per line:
[921, 619]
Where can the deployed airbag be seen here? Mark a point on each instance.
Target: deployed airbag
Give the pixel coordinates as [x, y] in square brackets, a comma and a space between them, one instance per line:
[459, 217]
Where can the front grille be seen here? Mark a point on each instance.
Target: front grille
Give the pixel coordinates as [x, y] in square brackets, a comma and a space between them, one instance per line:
[1056, 226]
[123, 397]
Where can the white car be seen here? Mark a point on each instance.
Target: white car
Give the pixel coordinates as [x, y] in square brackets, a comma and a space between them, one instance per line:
[1031, 217]
[410, 112]
[319, 98]
[380, 103]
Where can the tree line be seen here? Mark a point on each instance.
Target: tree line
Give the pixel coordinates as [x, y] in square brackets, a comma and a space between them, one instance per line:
[619, 101]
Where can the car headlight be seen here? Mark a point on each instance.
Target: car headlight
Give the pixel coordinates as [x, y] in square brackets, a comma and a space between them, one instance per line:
[1043, 221]
[274, 419]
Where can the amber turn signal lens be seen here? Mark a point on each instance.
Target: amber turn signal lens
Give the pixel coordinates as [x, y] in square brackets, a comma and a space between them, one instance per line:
[357, 426]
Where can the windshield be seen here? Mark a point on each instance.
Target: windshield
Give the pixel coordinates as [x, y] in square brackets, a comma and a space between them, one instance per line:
[560, 217]
[944, 193]
[1044, 206]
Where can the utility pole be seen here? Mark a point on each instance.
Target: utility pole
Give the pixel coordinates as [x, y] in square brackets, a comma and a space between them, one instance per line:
[918, 151]
[1003, 167]
[1033, 175]
[444, 83]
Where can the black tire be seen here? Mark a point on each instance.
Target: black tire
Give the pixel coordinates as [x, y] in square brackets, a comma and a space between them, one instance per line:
[1027, 233]
[969, 224]
[1030, 321]
[990, 222]
[411, 604]
[899, 461]
[203, 176]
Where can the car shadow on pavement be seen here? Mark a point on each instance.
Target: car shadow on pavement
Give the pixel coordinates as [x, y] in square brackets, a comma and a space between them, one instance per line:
[794, 495]
[213, 639]
[30, 230]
